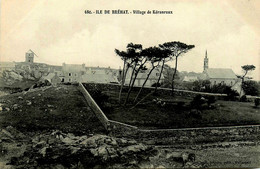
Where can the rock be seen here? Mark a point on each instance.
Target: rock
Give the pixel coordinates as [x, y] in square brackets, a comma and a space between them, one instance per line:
[134, 149]
[43, 151]
[7, 109]
[28, 102]
[160, 167]
[67, 140]
[1, 109]
[20, 98]
[15, 106]
[39, 94]
[50, 106]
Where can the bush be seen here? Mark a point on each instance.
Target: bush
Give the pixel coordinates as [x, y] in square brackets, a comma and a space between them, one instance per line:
[158, 85]
[211, 100]
[201, 85]
[251, 88]
[243, 98]
[257, 102]
[231, 94]
[197, 102]
[99, 97]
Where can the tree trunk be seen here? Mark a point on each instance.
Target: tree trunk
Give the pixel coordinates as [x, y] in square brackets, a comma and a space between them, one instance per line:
[122, 83]
[159, 76]
[242, 84]
[148, 75]
[173, 76]
[132, 76]
[131, 87]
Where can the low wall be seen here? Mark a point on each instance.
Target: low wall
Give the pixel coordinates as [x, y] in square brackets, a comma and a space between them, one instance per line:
[95, 108]
[199, 135]
[146, 90]
[170, 136]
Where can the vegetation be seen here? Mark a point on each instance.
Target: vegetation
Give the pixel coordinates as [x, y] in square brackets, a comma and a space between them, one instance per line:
[257, 102]
[251, 88]
[136, 58]
[165, 111]
[246, 69]
[177, 49]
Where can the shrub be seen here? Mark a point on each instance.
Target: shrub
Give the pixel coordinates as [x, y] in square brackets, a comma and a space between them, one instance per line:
[99, 97]
[257, 102]
[251, 88]
[231, 94]
[197, 102]
[158, 85]
[243, 98]
[211, 100]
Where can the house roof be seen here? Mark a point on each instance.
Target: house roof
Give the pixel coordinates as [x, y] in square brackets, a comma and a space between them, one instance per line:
[190, 78]
[73, 67]
[49, 76]
[143, 75]
[220, 73]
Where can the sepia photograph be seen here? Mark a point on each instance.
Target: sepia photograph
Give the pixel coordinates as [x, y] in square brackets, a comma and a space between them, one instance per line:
[129, 84]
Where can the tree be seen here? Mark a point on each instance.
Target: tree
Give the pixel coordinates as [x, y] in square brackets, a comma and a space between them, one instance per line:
[166, 56]
[154, 56]
[139, 60]
[251, 88]
[129, 57]
[246, 69]
[177, 49]
[167, 73]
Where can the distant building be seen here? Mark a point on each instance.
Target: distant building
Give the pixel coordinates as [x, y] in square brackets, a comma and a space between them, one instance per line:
[52, 78]
[142, 75]
[219, 75]
[100, 75]
[223, 76]
[72, 72]
[29, 56]
[190, 78]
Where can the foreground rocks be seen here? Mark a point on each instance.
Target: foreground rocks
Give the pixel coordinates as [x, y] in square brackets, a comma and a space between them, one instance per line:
[60, 150]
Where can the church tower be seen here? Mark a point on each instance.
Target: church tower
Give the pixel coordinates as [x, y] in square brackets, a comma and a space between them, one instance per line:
[206, 62]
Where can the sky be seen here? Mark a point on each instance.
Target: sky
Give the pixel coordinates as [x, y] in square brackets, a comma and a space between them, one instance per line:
[59, 31]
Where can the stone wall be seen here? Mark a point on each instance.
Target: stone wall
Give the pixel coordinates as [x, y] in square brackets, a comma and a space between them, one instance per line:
[146, 90]
[93, 105]
[169, 136]
[199, 135]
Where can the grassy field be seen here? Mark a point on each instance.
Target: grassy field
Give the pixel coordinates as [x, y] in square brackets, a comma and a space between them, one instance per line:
[56, 108]
[176, 113]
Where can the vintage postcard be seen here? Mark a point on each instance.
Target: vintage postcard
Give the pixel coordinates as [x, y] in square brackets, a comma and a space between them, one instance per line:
[130, 84]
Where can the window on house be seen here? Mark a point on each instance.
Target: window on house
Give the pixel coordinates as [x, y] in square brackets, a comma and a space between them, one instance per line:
[69, 80]
[157, 74]
[75, 74]
[69, 74]
[231, 83]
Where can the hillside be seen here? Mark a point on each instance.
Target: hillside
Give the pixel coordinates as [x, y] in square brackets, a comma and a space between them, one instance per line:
[48, 108]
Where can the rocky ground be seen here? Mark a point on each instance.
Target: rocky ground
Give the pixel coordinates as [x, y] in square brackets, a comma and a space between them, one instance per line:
[52, 127]
[56, 149]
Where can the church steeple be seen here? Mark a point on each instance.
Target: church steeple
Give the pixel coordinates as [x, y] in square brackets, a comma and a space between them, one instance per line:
[206, 62]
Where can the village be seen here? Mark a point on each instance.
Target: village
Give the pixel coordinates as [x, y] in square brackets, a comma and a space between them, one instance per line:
[71, 73]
